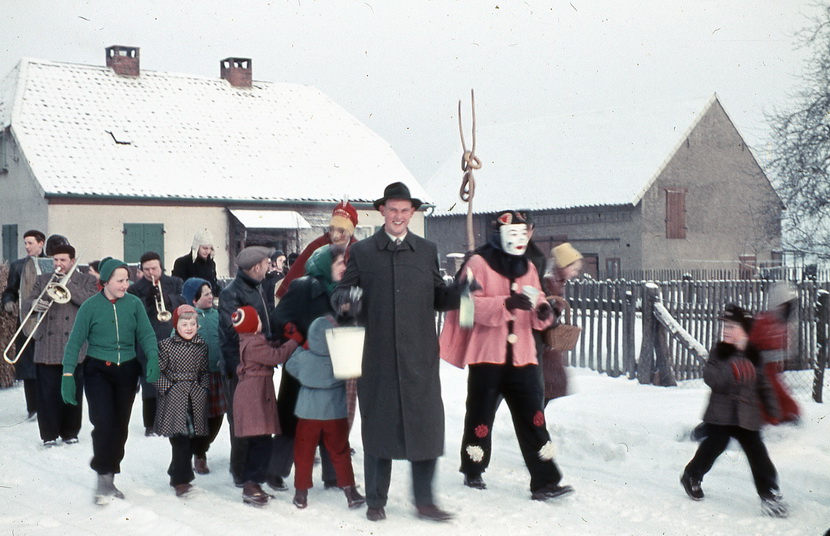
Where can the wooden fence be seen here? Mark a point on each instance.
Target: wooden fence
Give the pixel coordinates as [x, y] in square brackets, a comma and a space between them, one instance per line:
[610, 315]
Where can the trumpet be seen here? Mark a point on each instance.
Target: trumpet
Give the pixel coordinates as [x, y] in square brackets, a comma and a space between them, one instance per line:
[57, 291]
[162, 314]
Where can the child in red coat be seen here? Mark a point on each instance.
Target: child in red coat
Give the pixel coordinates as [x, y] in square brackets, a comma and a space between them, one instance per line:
[254, 401]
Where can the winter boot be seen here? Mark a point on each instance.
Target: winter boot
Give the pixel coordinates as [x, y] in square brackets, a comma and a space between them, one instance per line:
[353, 497]
[276, 483]
[772, 504]
[551, 491]
[183, 489]
[474, 481]
[692, 486]
[252, 494]
[301, 498]
[106, 489]
[200, 466]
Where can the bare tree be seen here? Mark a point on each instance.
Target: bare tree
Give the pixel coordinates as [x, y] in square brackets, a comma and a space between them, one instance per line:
[801, 146]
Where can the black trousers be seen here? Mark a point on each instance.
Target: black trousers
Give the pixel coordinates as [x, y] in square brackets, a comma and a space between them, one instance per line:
[239, 445]
[54, 418]
[257, 457]
[201, 444]
[181, 466]
[763, 471]
[522, 391]
[377, 474]
[110, 393]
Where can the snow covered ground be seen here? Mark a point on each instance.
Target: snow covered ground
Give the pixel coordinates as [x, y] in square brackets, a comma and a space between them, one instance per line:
[620, 444]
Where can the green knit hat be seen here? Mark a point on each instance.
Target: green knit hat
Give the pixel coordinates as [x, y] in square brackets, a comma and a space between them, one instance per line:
[107, 266]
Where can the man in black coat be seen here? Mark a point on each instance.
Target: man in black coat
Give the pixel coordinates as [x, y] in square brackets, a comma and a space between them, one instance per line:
[153, 282]
[402, 414]
[246, 289]
[21, 280]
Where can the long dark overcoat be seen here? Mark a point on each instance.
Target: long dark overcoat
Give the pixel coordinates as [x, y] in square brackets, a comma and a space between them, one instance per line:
[400, 391]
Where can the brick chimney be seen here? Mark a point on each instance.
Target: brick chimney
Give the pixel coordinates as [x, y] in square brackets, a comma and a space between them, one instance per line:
[237, 71]
[123, 60]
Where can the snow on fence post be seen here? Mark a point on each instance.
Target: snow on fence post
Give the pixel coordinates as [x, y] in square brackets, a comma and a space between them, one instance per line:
[821, 342]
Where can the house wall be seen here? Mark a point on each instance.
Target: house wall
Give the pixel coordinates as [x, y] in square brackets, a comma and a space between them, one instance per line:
[605, 232]
[20, 200]
[731, 208]
[96, 231]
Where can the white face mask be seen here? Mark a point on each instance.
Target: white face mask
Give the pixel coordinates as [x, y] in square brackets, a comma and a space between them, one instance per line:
[514, 238]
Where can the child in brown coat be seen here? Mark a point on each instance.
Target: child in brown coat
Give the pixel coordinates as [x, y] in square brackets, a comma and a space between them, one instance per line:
[255, 402]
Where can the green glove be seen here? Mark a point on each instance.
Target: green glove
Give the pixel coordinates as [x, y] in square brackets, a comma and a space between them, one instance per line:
[68, 390]
[153, 369]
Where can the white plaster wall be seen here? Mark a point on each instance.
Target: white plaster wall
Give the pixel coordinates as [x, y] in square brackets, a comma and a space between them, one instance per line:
[96, 231]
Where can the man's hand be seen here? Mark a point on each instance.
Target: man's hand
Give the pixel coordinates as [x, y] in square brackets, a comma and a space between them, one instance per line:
[41, 306]
[10, 307]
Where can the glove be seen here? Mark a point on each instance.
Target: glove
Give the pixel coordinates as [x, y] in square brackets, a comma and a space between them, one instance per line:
[544, 310]
[9, 307]
[41, 306]
[743, 370]
[291, 333]
[518, 301]
[153, 370]
[68, 390]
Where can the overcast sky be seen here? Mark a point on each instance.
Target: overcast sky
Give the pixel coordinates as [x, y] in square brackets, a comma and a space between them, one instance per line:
[401, 67]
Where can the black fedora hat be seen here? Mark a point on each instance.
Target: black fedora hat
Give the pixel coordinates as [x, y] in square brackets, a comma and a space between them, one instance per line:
[397, 190]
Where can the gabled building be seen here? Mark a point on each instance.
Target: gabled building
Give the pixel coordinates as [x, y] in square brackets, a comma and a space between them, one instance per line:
[123, 160]
[669, 186]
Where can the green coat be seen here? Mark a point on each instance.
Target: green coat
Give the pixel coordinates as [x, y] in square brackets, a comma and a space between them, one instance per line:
[111, 329]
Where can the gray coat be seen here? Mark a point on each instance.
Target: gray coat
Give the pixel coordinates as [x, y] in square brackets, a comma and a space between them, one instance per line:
[183, 385]
[53, 333]
[733, 403]
[400, 391]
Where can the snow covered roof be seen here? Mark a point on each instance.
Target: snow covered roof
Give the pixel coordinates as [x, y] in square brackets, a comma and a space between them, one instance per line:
[591, 158]
[87, 131]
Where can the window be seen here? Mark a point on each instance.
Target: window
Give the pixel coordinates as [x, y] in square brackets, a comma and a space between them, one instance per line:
[590, 264]
[675, 213]
[10, 242]
[140, 238]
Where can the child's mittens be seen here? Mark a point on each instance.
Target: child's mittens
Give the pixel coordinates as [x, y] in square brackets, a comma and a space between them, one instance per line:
[743, 370]
[291, 333]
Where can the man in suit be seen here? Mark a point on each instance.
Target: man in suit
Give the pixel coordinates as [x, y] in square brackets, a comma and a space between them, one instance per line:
[401, 409]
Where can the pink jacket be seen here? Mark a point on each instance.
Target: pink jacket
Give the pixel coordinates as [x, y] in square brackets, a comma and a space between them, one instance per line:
[254, 401]
[487, 341]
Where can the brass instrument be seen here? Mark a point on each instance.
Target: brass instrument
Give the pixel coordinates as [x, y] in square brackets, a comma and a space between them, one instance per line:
[162, 314]
[58, 292]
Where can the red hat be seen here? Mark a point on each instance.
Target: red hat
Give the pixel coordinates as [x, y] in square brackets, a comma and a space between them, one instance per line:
[245, 320]
[344, 215]
[180, 310]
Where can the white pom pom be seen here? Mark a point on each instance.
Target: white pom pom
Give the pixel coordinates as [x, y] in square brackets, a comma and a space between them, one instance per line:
[547, 451]
[475, 453]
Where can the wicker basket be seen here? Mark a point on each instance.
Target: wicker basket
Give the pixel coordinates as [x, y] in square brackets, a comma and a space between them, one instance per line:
[564, 336]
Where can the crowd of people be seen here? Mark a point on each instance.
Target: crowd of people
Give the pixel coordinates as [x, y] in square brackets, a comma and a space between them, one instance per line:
[198, 364]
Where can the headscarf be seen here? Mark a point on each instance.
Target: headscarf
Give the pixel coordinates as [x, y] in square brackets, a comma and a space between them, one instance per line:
[318, 266]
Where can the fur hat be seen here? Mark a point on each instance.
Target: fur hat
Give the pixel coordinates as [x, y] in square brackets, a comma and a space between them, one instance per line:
[565, 255]
[107, 266]
[245, 320]
[253, 255]
[63, 248]
[181, 310]
[344, 215]
[201, 238]
[739, 315]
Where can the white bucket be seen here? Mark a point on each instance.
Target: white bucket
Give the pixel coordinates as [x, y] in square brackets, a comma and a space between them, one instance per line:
[346, 349]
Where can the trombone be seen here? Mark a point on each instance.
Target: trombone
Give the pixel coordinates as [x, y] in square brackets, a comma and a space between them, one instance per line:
[162, 314]
[58, 292]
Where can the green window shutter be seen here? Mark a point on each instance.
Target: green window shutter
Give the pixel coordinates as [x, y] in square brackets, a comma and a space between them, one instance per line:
[10, 242]
[140, 238]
